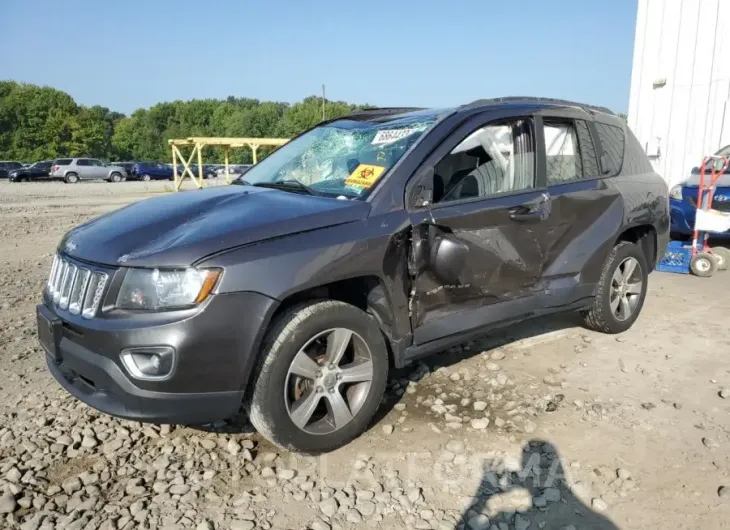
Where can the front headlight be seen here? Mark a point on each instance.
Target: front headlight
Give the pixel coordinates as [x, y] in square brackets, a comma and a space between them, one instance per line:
[165, 289]
[676, 192]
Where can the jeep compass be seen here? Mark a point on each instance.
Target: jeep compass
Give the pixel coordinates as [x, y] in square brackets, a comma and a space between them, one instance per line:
[365, 243]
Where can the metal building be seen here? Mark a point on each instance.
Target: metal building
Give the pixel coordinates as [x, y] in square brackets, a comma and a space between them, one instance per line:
[680, 82]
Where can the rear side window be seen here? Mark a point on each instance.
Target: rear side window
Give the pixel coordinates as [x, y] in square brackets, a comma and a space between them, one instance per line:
[62, 162]
[587, 150]
[82, 162]
[563, 162]
[612, 144]
[14, 165]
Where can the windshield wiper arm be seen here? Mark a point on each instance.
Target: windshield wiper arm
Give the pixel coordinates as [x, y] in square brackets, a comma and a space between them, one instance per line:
[288, 184]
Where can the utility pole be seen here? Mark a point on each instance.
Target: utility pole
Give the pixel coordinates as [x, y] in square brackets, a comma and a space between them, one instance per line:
[324, 114]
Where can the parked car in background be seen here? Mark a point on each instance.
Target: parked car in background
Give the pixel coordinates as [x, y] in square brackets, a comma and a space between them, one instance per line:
[6, 167]
[683, 200]
[126, 165]
[37, 171]
[71, 170]
[147, 171]
[368, 242]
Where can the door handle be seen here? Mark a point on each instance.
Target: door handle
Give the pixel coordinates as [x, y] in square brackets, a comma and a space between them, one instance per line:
[526, 217]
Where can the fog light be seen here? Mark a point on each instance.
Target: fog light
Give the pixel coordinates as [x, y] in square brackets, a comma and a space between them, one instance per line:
[151, 363]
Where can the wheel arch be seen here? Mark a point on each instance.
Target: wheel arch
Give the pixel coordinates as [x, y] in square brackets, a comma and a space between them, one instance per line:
[367, 292]
[645, 236]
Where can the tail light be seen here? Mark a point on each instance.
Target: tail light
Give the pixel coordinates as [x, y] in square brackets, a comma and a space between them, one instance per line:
[56, 168]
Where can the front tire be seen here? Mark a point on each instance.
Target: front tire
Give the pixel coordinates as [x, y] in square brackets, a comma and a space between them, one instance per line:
[621, 290]
[115, 177]
[321, 377]
[146, 178]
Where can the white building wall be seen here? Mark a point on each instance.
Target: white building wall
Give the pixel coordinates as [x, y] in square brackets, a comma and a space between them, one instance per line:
[686, 43]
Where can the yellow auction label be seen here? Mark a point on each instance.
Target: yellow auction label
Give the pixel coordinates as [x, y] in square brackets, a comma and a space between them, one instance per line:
[365, 175]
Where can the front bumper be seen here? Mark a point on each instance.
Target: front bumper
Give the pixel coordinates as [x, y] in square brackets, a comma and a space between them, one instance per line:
[215, 351]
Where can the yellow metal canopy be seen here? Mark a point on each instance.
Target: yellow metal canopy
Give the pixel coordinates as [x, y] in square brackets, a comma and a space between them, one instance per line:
[198, 142]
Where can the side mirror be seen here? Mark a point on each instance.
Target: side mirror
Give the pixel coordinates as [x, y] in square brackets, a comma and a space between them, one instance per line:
[423, 192]
[448, 258]
[695, 171]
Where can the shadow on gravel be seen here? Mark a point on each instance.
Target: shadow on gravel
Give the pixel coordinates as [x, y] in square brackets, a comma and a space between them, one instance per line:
[535, 496]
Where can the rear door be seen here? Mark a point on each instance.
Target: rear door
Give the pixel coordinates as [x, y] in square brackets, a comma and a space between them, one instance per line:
[586, 208]
[83, 168]
[475, 258]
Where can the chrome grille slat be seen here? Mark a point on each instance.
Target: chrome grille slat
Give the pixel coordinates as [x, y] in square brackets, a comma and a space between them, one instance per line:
[75, 289]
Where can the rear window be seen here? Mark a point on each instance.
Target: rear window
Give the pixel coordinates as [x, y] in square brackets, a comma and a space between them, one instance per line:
[13, 165]
[62, 162]
[612, 144]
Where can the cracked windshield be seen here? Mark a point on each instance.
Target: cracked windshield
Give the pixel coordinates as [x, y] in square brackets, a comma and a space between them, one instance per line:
[345, 158]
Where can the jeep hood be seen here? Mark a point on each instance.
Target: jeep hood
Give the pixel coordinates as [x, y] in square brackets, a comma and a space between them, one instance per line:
[179, 229]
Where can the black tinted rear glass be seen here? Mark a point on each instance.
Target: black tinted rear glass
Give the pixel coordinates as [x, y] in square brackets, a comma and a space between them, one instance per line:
[62, 162]
[612, 141]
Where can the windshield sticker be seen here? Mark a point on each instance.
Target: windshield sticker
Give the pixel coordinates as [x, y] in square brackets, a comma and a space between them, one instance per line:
[388, 136]
[365, 175]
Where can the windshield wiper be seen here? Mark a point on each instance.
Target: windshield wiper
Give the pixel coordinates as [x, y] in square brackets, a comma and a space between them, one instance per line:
[288, 185]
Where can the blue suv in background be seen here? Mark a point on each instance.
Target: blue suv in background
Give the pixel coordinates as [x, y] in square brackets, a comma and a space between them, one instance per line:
[683, 201]
[151, 171]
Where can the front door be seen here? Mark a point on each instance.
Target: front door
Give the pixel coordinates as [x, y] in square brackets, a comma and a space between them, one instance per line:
[476, 256]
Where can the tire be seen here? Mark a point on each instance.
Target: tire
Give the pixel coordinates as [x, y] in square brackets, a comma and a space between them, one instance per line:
[115, 177]
[71, 178]
[146, 177]
[616, 306]
[302, 332]
[703, 265]
[722, 256]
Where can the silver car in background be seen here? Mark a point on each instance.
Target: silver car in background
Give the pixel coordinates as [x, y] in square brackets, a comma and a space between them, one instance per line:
[72, 170]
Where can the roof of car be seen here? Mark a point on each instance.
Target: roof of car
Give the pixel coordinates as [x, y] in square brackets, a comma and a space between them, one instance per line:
[392, 113]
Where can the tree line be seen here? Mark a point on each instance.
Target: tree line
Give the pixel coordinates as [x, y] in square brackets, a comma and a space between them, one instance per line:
[42, 123]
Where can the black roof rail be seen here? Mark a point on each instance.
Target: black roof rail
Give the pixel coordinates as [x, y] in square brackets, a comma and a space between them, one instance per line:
[384, 111]
[539, 100]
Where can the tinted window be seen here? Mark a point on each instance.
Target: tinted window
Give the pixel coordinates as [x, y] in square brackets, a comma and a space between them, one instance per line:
[563, 162]
[495, 159]
[82, 162]
[612, 144]
[62, 162]
[13, 165]
[587, 150]
[95, 162]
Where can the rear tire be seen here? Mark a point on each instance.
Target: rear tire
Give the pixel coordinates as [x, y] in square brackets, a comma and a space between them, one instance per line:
[146, 177]
[722, 256]
[71, 178]
[703, 265]
[621, 290]
[300, 371]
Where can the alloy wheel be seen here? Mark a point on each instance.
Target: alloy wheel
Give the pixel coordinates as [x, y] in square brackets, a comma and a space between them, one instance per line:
[328, 381]
[626, 287]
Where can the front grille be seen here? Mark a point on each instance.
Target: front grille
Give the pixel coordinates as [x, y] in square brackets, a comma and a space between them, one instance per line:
[720, 206]
[74, 288]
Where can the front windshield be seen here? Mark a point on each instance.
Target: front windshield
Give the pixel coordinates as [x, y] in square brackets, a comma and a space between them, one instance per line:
[342, 158]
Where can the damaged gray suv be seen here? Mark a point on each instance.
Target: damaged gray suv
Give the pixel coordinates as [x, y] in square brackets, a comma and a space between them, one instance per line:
[364, 244]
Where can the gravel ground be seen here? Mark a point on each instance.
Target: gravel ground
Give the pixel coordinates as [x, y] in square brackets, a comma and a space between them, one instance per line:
[545, 425]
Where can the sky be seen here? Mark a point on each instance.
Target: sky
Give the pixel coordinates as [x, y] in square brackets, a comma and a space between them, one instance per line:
[131, 54]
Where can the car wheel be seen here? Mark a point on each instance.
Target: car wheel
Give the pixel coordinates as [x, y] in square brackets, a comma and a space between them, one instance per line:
[703, 265]
[71, 178]
[146, 177]
[320, 379]
[722, 256]
[621, 290]
[115, 177]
